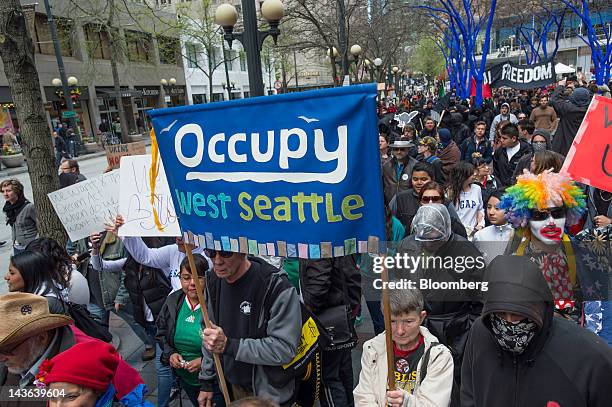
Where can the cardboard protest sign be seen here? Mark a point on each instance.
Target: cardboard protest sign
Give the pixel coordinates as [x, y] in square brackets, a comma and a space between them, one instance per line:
[115, 152]
[293, 175]
[589, 159]
[135, 200]
[84, 207]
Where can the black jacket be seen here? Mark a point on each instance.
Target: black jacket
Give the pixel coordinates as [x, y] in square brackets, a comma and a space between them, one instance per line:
[468, 147]
[450, 313]
[166, 324]
[563, 363]
[146, 282]
[321, 283]
[502, 168]
[570, 118]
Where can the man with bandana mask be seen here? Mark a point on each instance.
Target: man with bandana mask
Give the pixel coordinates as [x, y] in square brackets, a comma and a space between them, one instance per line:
[540, 141]
[519, 354]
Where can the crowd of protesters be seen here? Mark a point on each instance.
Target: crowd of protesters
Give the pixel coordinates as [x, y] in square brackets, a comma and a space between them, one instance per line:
[459, 181]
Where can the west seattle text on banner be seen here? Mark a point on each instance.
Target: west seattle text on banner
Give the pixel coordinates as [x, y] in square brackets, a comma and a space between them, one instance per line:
[290, 175]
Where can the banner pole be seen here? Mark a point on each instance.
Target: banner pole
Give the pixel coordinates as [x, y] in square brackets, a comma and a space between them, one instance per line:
[200, 292]
[388, 329]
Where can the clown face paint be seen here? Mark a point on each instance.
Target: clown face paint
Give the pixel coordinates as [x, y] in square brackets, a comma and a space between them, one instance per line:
[548, 231]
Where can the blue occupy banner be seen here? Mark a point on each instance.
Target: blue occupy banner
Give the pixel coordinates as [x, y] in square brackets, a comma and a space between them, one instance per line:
[294, 175]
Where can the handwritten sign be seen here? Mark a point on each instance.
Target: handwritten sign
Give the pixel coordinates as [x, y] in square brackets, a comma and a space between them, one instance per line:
[115, 152]
[135, 201]
[84, 207]
[293, 175]
[589, 159]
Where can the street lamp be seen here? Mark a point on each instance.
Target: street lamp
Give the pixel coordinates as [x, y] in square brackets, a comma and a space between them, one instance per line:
[73, 95]
[395, 71]
[251, 38]
[356, 52]
[168, 85]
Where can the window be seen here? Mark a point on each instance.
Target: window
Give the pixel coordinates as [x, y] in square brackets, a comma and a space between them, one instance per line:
[198, 99]
[243, 64]
[168, 50]
[138, 46]
[42, 35]
[97, 41]
[231, 56]
[192, 55]
[217, 57]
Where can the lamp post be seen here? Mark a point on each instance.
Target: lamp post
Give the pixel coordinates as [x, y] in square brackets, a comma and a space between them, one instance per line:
[73, 94]
[367, 65]
[229, 88]
[167, 86]
[332, 54]
[251, 38]
[395, 71]
[71, 115]
[378, 63]
[356, 52]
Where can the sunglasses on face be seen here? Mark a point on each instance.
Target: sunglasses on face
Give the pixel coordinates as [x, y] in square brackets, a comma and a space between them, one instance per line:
[556, 213]
[213, 253]
[431, 199]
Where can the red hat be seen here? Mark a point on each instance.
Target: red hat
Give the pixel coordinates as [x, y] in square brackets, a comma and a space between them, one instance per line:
[89, 364]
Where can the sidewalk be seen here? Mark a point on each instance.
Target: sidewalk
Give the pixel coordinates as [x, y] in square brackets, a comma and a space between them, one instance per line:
[131, 348]
[8, 172]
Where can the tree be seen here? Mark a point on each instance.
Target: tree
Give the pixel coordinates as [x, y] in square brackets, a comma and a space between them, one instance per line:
[428, 58]
[535, 30]
[322, 25]
[462, 28]
[198, 27]
[592, 14]
[17, 54]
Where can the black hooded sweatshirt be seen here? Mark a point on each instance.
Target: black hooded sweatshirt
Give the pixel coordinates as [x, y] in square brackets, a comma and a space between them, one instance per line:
[564, 364]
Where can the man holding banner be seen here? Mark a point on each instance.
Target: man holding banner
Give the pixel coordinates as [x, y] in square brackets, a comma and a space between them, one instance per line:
[259, 311]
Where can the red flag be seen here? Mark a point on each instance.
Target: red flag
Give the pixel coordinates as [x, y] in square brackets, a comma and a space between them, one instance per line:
[486, 89]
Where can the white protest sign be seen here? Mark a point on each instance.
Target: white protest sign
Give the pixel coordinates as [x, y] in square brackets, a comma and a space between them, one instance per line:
[135, 200]
[84, 207]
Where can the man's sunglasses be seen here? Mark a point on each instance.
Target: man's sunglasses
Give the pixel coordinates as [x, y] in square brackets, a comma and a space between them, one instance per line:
[431, 199]
[556, 213]
[211, 253]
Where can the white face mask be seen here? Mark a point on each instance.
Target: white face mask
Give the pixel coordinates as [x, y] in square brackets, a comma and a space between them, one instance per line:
[549, 231]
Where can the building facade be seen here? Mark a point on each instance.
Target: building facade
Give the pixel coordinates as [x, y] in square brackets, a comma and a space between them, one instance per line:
[144, 59]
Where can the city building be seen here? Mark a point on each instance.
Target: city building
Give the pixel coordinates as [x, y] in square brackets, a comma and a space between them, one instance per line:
[144, 59]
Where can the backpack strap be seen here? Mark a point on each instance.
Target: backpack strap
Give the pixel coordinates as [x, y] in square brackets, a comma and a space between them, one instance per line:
[425, 360]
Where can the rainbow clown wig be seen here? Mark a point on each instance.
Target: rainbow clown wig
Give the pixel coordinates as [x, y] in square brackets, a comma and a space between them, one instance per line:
[540, 192]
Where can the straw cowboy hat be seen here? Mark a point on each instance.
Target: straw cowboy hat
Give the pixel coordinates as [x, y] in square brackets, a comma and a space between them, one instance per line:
[25, 315]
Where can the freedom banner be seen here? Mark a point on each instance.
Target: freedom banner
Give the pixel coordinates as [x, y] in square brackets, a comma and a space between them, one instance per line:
[521, 76]
[294, 175]
[589, 159]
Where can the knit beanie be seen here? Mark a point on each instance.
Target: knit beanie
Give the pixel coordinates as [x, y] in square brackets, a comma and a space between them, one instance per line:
[445, 137]
[89, 364]
[580, 97]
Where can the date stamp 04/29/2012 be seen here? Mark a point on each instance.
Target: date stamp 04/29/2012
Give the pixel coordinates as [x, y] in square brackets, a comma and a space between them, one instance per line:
[30, 393]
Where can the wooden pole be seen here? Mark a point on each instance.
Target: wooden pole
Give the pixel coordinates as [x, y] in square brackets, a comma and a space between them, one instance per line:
[200, 291]
[388, 330]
